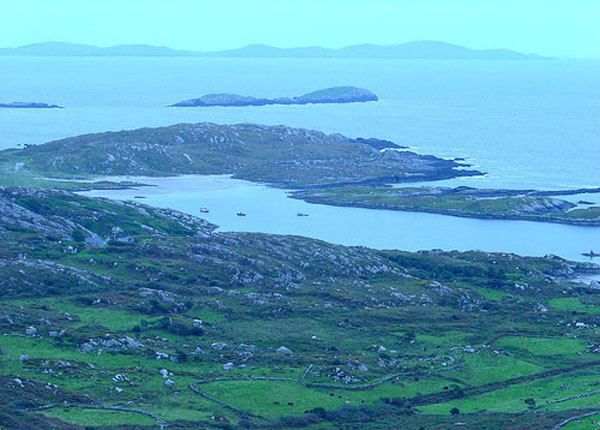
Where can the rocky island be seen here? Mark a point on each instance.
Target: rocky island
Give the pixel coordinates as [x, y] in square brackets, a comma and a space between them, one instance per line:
[328, 95]
[277, 155]
[29, 105]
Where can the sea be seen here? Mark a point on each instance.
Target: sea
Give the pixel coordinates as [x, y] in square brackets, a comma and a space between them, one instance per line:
[526, 124]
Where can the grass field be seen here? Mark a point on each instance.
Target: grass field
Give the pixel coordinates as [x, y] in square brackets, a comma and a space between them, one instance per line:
[234, 331]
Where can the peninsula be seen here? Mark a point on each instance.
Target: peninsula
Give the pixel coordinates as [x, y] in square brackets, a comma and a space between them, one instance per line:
[328, 95]
[468, 202]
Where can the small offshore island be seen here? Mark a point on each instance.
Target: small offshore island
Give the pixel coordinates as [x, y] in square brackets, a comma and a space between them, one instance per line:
[328, 95]
[29, 105]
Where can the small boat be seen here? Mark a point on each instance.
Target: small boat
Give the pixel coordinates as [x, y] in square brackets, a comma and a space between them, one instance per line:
[591, 254]
[301, 214]
[241, 214]
[204, 210]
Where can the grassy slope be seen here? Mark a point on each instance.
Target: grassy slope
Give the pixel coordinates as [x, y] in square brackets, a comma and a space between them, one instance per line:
[459, 320]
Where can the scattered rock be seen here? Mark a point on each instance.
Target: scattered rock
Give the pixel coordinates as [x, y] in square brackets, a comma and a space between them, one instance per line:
[282, 350]
[119, 378]
[86, 347]
[219, 346]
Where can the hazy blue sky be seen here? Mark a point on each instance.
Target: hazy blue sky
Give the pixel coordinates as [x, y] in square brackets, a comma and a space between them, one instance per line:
[549, 27]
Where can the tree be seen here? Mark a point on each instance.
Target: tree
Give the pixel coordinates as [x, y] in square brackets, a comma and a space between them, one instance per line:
[454, 411]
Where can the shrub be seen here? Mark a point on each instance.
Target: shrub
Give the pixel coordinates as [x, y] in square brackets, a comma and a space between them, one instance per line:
[294, 421]
[78, 235]
[318, 411]
[184, 328]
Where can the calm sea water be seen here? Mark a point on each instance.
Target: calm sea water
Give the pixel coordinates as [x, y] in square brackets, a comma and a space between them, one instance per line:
[270, 210]
[529, 124]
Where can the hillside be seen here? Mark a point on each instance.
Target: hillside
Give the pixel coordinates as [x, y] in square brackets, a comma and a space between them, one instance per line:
[64, 49]
[118, 313]
[410, 50]
[277, 155]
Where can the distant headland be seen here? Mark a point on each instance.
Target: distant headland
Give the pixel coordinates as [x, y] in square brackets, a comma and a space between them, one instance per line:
[29, 105]
[427, 49]
[328, 95]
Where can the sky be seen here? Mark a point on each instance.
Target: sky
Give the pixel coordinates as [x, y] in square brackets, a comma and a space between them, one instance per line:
[562, 28]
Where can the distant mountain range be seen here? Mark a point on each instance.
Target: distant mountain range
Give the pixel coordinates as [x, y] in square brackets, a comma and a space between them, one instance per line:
[415, 50]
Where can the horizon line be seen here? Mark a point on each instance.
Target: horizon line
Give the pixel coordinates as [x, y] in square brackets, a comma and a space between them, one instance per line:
[194, 52]
[258, 44]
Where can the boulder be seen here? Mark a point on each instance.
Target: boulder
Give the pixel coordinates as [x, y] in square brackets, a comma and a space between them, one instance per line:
[86, 347]
[282, 350]
[219, 346]
[131, 343]
[246, 348]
